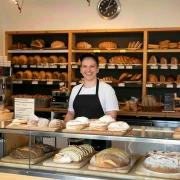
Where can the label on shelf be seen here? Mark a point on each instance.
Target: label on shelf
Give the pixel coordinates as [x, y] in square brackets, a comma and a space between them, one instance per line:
[33, 66]
[62, 66]
[178, 85]
[102, 66]
[111, 66]
[49, 82]
[61, 83]
[154, 67]
[128, 67]
[174, 66]
[16, 66]
[121, 84]
[149, 85]
[23, 107]
[53, 66]
[23, 66]
[164, 66]
[34, 82]
[46, 66]
[122, 50]
[169, 85]
[15, 82]
[20, 82]
[74, 66]
[73, 83]
[120, 67]
[40, 66]
[97, 51]
[150, 50]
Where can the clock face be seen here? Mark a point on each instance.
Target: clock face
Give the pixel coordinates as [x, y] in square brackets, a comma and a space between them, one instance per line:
[108, 9]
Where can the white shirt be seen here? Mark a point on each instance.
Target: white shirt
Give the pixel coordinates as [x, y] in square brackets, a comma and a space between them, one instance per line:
[106, 95]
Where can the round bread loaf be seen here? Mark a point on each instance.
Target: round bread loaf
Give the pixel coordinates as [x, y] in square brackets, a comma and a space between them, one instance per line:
[57, 44]
[102, 60]
[83, 45]
[118, 126]
[105, 45]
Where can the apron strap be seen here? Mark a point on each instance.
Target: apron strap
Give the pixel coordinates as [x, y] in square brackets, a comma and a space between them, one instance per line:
[80, 90]
[97, 87]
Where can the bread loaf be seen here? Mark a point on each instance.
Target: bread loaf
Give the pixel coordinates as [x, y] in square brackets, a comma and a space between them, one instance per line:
[48, 75]
[57, 44]
[53, 59]
[15, 60]
[153, 60]
[105, 45]
[19, 75]
[44, 59]
[37, 44]
[37, 59]
[30, 59]
[62, 59]
[22, 60]
[110, 158]
[162, 78]
[123, 76]
[178, 78]
[102, 60]
[153, 78]
[35, 75]
[170, 79]
[56, 75]
[27, 74]
[83, 45]
[163, 60]
[42, 75]
[174, 61]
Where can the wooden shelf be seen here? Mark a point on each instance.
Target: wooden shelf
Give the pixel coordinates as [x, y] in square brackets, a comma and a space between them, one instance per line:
[162, 50]
[107, 51]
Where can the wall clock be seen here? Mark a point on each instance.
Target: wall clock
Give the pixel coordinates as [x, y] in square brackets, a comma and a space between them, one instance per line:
[108, 9]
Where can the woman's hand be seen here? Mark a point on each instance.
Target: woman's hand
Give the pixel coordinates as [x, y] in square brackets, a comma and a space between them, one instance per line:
[113, 114]
[69, 116]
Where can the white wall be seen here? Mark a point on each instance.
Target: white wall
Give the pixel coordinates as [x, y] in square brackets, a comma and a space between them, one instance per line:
[1, 31]
[75, 14]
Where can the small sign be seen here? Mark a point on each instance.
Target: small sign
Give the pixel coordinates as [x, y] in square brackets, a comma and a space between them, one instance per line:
[34, 82]
[128, 67]
[16, 66]
[73, 83]
[169, 85]
[169, 102]
[154, 67]
[33, 66]
[49, 82]
[61, 84]
[74, 66]
[121, 84]
[111, 66]
[149, 85]
[174, 66]
[40, 66]
[53, 66]
[62, 66]
[122, 50]
[23, 66]
[164, 67]
[19, 82]
[150, 50]
[24, 107]
[120, 67]
[102, 66]
[97, 51]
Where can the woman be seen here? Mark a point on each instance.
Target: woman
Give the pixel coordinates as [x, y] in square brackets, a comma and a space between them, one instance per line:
[92, 99]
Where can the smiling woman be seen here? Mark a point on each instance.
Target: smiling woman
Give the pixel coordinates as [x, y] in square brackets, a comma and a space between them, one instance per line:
[92, 99]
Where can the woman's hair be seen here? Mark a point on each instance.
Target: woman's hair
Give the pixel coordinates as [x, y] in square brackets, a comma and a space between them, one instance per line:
[92, 55]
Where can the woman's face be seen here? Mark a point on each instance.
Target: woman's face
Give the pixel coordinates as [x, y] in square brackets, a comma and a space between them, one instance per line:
[89, 68]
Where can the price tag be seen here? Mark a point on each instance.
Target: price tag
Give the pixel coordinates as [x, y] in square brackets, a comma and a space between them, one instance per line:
[53, 66]
[16, 66]
[102, 66]
[73, 83]
[97, 51]
[23, 66]
[40, 66]
[74, 66]
[121, 84]
[15, 82]
[169, 85]
[174, 67]
[24, 107]
[46, 66]
[49, 82]
[128, 67]
[34, 82]
[33, 66]
[164, 67]
[178, 85]
[122, 50]
[62, 66]
[120, 67]
[61, 83]
[154, 67]
[149, 85]
[150, 50]
[111, 66]
[73, 50]
[19, 82]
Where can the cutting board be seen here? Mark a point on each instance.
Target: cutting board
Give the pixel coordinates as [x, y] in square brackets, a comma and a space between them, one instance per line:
[9, 159]
[86, 131]
[145, 172]
[73, 165]
[4, 123]
[126, 169]
[31, 128]
[176, 134]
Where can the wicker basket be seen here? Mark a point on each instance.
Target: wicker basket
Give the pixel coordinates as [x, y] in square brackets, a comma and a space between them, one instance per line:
[151, 108]
[42, 102]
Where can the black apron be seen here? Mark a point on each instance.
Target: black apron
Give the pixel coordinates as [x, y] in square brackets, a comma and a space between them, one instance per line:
[89, 105]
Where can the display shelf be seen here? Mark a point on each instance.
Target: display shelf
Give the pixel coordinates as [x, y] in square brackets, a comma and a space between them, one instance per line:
[163, 66]
[38, 51]
[107, 51]
[54, 65]
[161, 85]
[163, 50]
[40, 82]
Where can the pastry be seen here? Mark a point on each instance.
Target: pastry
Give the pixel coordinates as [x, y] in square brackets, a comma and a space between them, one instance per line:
[102, 60]
[35, 75]
[27, 74]
[19, 121]
[37, 44]
[44, 59]
[153, 46]
[57, 123]
[107, 119]
[82, 119]
[108, 45]
[111, 158]
[62, 59]
[22, 60]
[42, 75]
[19, 75]
[32, 122]
[48, 75]
[98, 125]
[15, 60]
[62, 158]
[83, 45]
[56, 75]
[118, 126]
[30, 59]
[37, 60]
[43, 122]
[53, 59]
[57, 44]
[76, 125]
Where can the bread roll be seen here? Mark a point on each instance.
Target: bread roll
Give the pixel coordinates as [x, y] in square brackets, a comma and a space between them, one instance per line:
[178, 78]
[174, 61]
[57, 123]
[163, 60]
[43, 122]
[23, 59]
[110, 158]
[153, 60]
[30, 59]
[48, 75]
[162, 78]
[57, 44]
[42, 75]
[62, 59]
[15, 60]
[56, 75]
[63, 76]
[153, 78]
[35, 75]
[37, 59]
[53, 59]
[18, 45]
[83, 45]
[27, 74]
[19, 75]
[102, 60]
[105, 45]
[44, 59]
[170, 79]
[37, 44]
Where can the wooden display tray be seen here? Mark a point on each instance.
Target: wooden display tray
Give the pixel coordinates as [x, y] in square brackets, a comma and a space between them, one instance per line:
[31, 128]
[145, 172]
[86, 131]
[73, 165]
[4, 123]
[126, 169]
[9, 159]
[176, 134]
